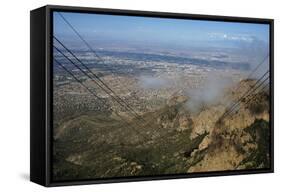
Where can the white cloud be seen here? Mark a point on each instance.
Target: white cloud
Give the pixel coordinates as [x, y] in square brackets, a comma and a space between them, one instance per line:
[233, 37]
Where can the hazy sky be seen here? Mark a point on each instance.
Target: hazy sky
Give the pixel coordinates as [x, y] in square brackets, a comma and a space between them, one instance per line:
[160, 30]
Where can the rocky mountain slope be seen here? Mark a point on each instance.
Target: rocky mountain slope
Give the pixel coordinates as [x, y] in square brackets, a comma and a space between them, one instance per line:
[169, 140]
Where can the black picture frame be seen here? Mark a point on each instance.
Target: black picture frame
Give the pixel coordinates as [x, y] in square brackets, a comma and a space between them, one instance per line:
[41, 92]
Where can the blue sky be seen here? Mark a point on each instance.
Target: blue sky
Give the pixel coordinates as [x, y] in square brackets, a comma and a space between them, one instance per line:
[147, 29]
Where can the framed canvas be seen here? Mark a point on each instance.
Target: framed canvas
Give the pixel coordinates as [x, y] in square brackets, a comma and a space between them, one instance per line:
[122, 95]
